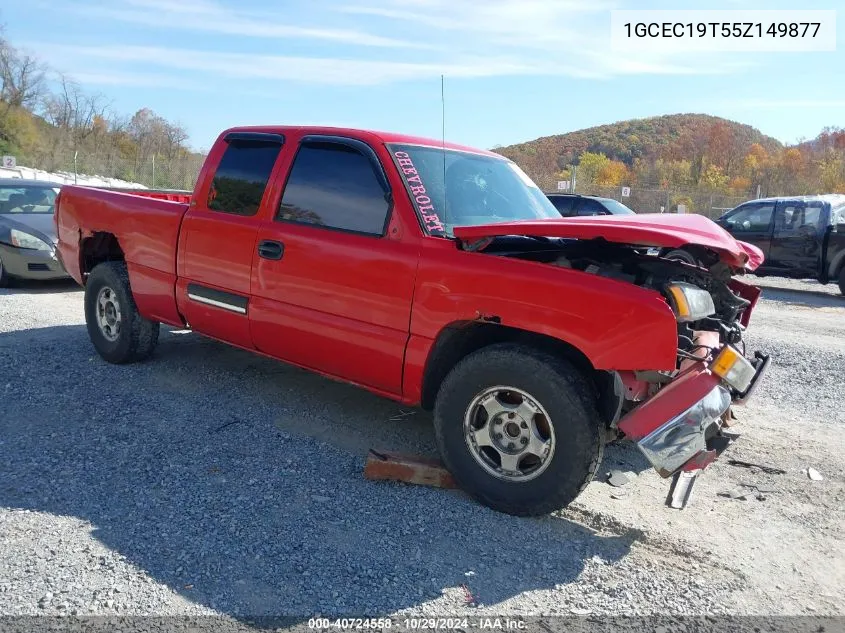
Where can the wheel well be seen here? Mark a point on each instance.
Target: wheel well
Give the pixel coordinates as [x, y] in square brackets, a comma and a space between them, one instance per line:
[99, 248]
[458, 340]
[840, 266]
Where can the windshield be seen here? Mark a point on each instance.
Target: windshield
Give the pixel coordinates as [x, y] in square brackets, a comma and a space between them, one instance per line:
[27, 199]
[452, 188]
[616, 207]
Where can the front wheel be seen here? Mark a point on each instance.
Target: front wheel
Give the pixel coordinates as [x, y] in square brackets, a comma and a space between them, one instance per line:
[518, 429]
[680, 255]
[116, 328]
[842, 280]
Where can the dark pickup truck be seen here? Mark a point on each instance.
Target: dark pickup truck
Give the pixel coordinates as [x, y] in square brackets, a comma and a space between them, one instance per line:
[801, 237]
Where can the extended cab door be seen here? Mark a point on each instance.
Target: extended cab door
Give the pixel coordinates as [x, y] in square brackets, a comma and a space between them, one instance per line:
[797, 239]
[333, 276]
[752, 223]
[217, 238]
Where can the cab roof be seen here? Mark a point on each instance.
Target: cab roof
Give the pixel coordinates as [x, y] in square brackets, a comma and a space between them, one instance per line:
[371, 135]
[834, 199]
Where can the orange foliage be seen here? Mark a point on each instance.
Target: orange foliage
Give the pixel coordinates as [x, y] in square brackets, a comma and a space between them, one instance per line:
[612, 174]
[740, 184]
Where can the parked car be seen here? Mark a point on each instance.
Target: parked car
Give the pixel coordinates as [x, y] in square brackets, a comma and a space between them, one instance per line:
[27, 230]
[573, 204]
[435, 275]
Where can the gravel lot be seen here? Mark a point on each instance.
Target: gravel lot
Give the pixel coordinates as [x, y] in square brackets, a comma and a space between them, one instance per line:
[209, 480]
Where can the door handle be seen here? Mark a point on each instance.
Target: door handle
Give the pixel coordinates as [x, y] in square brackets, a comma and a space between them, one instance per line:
[271, 249]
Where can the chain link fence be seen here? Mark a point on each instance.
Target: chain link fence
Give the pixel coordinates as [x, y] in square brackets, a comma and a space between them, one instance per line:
[159, 172]
[656, 199]
[154, 172]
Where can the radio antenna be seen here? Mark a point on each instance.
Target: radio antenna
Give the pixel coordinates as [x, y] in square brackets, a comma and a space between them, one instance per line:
[443, 136]
[443, 108]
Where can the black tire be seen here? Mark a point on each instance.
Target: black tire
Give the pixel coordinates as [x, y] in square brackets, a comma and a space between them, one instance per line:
[842, 280]
[4, 276]
[681, 255]
[559, 388]
[135, 337]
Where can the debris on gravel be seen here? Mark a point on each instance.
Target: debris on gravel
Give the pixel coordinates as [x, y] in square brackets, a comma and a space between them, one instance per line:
[813, 474]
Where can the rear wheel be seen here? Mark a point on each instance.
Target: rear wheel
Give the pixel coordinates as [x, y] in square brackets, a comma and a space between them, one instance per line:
[119, 333]
[518, 429]
[4, 278]
[842, 280]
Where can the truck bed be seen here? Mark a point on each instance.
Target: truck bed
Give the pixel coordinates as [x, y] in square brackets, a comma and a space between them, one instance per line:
[173, 195]
[145, 226]
[152, 223]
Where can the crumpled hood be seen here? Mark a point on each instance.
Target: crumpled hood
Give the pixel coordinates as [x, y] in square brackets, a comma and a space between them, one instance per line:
[645, 229]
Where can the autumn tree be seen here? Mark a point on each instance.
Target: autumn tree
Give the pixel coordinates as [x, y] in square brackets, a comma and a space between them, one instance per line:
[612, 174]
[21, 86]
[590, 166]
[674, 174]
[22, 77]
[77, 113]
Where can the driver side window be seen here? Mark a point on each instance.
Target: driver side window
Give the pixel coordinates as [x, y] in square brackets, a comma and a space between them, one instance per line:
[753, 217]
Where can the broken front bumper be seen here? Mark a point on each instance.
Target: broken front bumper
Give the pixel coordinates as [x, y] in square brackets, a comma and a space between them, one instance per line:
[679, 428]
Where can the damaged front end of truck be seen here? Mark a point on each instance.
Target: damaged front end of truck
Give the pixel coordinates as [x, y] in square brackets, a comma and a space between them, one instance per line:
[677, 417]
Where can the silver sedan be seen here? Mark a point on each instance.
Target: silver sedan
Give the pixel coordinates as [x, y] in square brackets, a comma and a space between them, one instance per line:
[27, 231]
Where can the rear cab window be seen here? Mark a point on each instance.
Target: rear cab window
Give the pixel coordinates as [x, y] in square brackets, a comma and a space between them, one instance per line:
[242, 175]
[798, 217]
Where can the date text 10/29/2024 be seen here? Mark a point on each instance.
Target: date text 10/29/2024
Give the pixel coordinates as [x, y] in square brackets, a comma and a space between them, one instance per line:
[420, 624]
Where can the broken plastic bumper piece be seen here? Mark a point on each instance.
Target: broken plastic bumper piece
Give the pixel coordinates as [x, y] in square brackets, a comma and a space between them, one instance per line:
[674, 443]
[680, 427]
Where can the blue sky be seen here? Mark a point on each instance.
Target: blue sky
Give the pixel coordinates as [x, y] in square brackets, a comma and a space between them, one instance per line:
[515, 69]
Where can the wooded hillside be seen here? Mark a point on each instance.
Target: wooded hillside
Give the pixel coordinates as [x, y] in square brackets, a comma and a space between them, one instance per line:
[687, 152]
[49, 122]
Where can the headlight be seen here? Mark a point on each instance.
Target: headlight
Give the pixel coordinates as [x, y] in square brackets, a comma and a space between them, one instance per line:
[25, 240]
[674, 443]
[733, 368]
[690, 303]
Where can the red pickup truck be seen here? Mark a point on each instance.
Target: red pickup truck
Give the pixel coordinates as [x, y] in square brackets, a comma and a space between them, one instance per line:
[440, 276]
